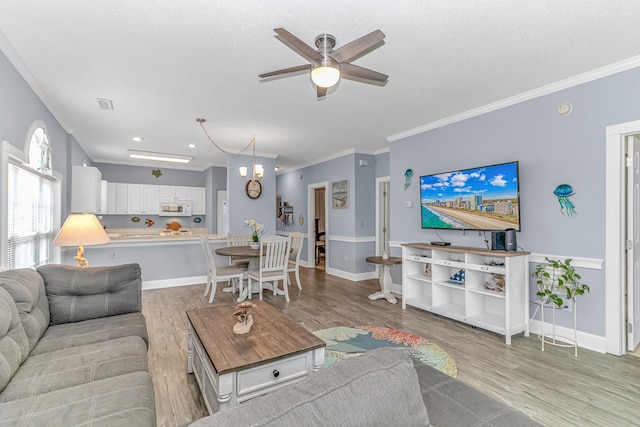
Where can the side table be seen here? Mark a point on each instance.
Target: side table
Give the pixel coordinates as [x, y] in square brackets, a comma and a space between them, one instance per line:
[385, 277]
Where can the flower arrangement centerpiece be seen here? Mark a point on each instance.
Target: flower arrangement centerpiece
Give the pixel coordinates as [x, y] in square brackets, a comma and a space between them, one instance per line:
[256, 230]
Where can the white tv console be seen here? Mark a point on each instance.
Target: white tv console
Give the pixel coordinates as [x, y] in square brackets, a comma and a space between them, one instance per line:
[505, 313]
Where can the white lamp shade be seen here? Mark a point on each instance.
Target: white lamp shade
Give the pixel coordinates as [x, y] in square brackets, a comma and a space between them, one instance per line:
[259, 171]
[81, 229]
[325, 76]
[243, 171]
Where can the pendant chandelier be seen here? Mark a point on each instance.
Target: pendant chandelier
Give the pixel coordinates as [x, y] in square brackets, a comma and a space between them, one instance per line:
[257, 170]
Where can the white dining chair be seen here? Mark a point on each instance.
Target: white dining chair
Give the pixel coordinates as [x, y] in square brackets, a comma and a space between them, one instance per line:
[294, 257]
[274, 257]
[238, 240]
[218, 274]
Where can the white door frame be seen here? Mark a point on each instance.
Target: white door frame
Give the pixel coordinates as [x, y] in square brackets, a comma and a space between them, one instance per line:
[615, 235]
[379, 182]
[311, 209]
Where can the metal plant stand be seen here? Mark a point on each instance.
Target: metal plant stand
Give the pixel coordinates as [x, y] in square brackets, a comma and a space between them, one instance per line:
[552, 339]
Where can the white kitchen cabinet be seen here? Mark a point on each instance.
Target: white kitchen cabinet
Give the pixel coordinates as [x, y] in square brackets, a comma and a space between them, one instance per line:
[112, 198]
[427, 273]
[85, 189]
[166, 192]
[183, 193]
[174, 192]
[143, 199]
[198, 201]
[104, 194]
[134, 197]
[122, 198]
[150, 199]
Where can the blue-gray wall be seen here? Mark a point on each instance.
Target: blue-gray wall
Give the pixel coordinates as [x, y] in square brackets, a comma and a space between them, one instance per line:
[19, 108]
[382, 165]
[351, 235]
[241, 207]
[552, 149]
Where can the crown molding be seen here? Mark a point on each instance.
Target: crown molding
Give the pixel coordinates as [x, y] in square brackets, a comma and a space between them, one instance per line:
[589, 76]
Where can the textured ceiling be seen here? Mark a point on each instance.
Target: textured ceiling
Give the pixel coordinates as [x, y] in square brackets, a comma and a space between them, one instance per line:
[163, 63]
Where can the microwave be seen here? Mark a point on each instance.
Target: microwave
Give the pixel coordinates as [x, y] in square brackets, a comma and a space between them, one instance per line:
[175, 208]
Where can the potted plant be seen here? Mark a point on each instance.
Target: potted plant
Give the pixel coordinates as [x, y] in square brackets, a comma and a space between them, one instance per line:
[557, 279]
[256, 231]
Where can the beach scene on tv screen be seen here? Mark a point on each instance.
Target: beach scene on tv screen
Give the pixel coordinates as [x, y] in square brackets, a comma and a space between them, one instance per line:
[484, 198]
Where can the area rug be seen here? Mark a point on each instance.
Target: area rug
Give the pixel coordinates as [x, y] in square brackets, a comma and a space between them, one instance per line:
[345, 342]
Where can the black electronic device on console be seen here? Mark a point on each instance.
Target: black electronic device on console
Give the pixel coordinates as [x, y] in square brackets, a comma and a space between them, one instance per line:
[438, 243]
[498, 241]
[510, 242]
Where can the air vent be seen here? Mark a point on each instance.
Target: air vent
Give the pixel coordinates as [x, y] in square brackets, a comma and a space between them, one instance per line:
[105, 104]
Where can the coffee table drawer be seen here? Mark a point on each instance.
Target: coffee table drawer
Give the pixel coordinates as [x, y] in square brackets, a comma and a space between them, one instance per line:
[273, 374]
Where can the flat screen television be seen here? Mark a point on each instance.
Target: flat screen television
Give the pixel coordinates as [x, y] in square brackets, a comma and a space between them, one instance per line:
[484, 198]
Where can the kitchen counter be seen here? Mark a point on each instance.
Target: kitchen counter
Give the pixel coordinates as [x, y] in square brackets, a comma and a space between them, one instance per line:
[174, 260]
[158, 235]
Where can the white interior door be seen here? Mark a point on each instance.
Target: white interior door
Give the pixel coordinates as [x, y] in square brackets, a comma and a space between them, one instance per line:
[222, 213]
[383, 207]
[633, 249]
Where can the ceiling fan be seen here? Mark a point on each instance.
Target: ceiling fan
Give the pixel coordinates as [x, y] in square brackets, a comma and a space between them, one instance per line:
[327, 65]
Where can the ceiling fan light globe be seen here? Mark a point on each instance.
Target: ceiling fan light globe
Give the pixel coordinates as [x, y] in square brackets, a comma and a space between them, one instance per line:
[325, 76]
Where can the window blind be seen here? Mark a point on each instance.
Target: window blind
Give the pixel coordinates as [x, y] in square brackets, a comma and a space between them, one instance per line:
[29, 217]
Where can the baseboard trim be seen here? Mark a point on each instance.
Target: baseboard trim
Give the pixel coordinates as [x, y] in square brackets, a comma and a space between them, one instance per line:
[585, 339]
[354, 277]
[170, 283]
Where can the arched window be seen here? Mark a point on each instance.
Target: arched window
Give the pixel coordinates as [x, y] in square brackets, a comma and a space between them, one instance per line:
[39, 156]
[32, 199]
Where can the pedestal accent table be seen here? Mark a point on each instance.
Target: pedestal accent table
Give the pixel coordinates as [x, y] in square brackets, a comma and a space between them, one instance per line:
[385, 277]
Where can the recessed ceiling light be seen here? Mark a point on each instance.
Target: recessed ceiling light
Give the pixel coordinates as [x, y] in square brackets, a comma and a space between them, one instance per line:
[277, 168]
[160, 157]
[137, 138]
[192, 145]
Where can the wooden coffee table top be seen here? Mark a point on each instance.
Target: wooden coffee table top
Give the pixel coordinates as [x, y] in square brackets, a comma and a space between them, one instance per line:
[272, 337]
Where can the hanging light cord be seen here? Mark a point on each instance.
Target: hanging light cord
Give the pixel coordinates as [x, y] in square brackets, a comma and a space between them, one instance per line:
[252, 142]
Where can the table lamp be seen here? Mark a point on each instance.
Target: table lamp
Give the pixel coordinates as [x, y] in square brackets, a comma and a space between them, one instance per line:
[81, 229]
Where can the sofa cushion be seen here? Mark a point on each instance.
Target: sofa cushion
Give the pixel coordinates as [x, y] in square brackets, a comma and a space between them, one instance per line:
[92, 331]
[77, 293]
[378, 388]
[26, 287]
[74, 366]
[14, 344]
[125, 400]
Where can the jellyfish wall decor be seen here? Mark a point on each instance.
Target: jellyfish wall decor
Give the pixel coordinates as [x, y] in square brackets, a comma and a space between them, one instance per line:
[564, 191]
[408, 174]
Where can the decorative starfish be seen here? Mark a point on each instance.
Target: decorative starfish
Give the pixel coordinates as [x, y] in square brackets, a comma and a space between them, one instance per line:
[156, 173]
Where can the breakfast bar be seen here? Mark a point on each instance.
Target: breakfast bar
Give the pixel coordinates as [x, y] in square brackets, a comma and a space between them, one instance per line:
[167, 259]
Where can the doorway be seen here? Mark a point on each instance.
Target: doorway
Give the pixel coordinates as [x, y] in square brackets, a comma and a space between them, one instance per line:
[383, 207]
[619, 279]
[318, 229]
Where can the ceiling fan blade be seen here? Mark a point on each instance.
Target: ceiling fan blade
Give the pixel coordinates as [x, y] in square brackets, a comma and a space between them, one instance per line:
[298, 45]
[322, 91]
[352, 50]
[286, 71]
[354, 72]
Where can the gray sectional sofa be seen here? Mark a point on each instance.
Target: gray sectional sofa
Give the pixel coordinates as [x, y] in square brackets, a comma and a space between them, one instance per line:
[382, 387]
[73, 348]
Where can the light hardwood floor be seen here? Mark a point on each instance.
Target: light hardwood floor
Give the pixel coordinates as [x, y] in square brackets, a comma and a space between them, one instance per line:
[554, 387]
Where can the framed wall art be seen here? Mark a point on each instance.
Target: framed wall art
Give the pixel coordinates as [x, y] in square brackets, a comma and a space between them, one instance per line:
[340, 194]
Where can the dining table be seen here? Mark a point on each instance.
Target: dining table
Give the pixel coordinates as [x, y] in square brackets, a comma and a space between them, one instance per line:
[254, 264]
